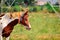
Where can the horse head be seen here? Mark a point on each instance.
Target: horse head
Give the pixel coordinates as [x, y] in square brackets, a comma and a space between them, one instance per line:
[25, 21]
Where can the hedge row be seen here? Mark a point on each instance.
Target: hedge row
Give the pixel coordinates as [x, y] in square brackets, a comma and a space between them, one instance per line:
[31, 9]
[11, 9]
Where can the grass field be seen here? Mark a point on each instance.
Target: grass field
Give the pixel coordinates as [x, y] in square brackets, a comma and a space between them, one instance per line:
[45, 26]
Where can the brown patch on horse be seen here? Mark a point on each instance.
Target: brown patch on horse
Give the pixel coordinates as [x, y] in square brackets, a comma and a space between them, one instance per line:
[15, 14]
[2, 14]
[0, 18]
[24, 18]
[8, 29]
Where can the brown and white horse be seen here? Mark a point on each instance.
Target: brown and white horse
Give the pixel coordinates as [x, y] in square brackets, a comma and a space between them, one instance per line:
[7, 23]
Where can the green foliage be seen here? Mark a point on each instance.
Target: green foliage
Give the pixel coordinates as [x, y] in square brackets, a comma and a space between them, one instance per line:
[16, 8]
[32, 9]
[5, 9]
[57, 9]
[49, 8]
[35, 8]
[18, 2]
[9, 2]
[39, 8]
[12, 9]
[31, 2]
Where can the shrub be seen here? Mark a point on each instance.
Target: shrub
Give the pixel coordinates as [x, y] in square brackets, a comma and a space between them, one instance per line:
[11, 9]
[45, 9]
[39, 8]
[35, 8]
[31, 9]
[57, 9]
[49, 8]
[5, 9]
[16, 8]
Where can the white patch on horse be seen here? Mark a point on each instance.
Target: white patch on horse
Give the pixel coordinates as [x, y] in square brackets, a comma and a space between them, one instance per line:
[5, 20]
[1, 38]
[1, 31]
[7, 38]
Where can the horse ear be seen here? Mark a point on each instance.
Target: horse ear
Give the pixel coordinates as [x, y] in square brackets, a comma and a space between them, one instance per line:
[26, 12]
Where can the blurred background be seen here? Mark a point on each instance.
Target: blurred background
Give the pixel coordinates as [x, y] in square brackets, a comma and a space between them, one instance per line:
[44, 16]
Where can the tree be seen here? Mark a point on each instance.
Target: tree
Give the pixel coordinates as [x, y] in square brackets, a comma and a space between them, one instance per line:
[10, 2]
[29, 2]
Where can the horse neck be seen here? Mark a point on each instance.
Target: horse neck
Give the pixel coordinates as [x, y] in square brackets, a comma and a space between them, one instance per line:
[13, 23]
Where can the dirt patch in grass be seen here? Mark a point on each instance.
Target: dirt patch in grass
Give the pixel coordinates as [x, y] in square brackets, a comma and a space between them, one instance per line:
[48, 37]
[19, 37]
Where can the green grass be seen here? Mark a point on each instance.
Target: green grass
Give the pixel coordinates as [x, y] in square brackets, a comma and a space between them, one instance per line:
[45, 26]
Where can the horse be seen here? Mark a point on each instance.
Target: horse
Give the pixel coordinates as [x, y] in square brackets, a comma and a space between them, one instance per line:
[8, 21]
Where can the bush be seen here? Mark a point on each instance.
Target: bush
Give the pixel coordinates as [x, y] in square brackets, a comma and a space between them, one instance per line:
[57, 9]
[5, 9]
[11, 9]
[16, 8]
[49, 8]
[39, 8]
[35, 8]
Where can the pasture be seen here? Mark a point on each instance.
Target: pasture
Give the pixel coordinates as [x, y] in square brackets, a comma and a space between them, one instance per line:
[45, 26]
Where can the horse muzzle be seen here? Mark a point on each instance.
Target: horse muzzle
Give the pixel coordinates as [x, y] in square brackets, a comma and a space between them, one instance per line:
[28, 27]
